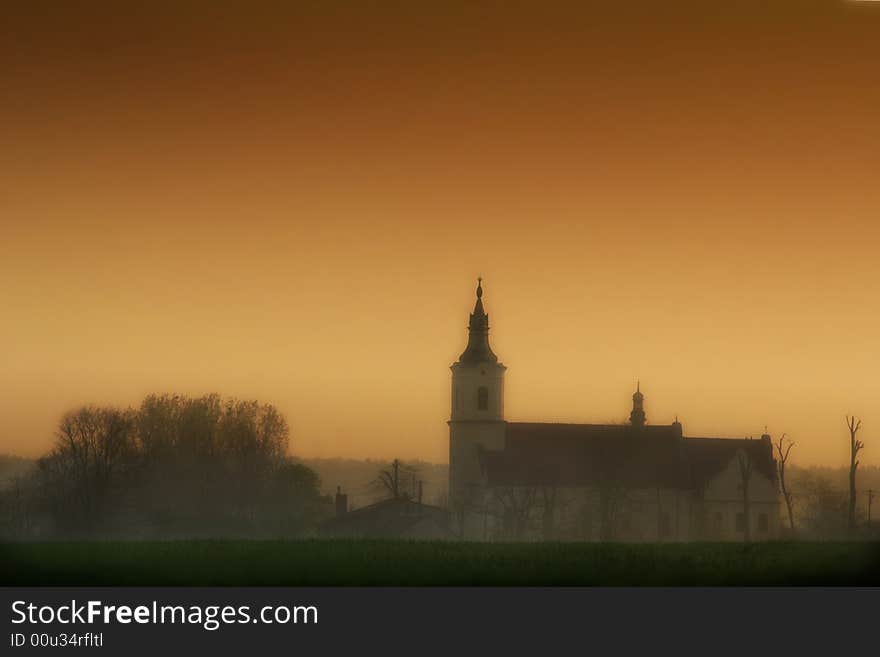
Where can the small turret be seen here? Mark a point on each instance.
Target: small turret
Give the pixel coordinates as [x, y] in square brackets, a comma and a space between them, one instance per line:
[637, 415]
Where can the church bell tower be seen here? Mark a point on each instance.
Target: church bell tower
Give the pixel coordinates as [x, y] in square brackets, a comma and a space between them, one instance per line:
[476, 421]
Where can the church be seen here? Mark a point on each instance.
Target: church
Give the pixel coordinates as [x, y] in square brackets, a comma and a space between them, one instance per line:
[626, 482]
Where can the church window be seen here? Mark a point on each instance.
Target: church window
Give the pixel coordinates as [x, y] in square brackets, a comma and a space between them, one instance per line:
[718, 521]
[740, 522]
[483, 398]
[763, 523]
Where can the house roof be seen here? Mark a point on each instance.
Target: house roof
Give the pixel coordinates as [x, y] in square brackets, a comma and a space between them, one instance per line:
[615, 454]
[385, 519]
[709, 456]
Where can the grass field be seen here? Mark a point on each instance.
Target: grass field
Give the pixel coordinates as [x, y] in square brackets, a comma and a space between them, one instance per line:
[335, 563]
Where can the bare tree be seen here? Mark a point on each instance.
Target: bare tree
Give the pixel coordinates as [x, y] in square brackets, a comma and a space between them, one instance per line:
[550, 500]
[252, 438]
[855, 445]
[393, 481]
[516, 503]
[612, 498]
[745, 473]
[783, 449]
[389, 479]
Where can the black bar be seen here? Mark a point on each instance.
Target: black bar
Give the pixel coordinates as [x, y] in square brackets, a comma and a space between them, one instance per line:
[463, 621]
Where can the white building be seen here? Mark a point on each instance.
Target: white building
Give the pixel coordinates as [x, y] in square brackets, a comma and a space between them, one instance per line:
[623, 482]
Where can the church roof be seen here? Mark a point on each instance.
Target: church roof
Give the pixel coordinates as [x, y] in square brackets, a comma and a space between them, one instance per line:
[653, 456]
[588, 454]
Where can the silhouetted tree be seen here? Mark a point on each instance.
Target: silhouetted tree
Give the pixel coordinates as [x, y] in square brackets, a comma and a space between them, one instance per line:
[91, 448]
[855, 446]
[182, 480]
[295, 503]
[206, 463]
[176, 466]
[783, 449]
[252, 438]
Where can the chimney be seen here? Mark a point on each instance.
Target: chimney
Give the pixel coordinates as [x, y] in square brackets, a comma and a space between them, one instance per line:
[341, 502]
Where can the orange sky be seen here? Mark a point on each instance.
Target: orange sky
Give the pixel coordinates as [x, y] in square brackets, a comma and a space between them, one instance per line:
[294, 206]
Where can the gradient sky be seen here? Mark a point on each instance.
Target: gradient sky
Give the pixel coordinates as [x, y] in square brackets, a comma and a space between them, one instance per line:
[293, 205]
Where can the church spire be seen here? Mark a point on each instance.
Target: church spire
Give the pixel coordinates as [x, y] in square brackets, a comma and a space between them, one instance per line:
[478, 349]
[478, 307]
[637, 416]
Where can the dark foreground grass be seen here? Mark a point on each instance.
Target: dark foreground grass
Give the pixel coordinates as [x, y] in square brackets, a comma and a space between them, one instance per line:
[346, 563]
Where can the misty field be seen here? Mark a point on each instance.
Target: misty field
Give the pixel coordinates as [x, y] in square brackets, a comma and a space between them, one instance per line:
[335, 563]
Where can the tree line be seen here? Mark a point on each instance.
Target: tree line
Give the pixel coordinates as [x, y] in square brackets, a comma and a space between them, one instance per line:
[175, 466]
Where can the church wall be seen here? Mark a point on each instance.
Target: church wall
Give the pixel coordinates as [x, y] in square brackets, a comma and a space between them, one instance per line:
[677, 516]
[633, 515]
[466, 439]
[721, 521]
[722, 502]
[639, 515]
